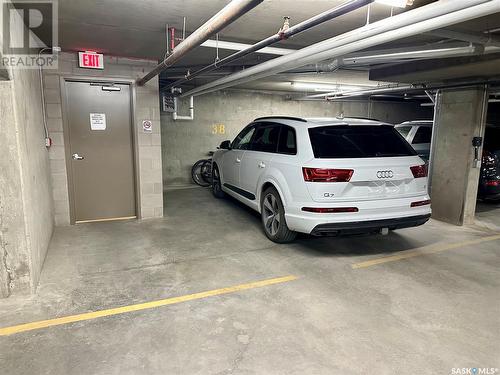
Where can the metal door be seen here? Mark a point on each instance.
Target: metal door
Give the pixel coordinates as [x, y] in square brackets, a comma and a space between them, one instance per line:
[101, 151]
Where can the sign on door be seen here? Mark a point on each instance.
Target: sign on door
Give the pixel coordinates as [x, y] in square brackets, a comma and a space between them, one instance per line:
[97, 121]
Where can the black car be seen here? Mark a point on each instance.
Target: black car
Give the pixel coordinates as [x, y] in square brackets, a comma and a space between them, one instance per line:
[489, 181]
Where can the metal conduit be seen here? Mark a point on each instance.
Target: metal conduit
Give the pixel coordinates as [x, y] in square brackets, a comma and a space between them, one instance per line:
[420, 20]
[228, 14]
[294, 30]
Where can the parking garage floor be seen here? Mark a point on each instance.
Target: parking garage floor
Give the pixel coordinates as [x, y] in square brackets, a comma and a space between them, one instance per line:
[422, 298]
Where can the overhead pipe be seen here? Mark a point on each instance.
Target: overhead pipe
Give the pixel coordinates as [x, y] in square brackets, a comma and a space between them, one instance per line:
[407, 88]
[420, 20]
[478, 38]
[375, 91]
[330, 14]
[234, 10]
[430, 53]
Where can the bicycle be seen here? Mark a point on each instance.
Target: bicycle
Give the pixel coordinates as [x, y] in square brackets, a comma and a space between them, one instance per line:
[201, 173]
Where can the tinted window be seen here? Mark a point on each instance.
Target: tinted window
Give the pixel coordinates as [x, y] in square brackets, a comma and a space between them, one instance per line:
[403, 130]
[242, 141]
[358, 142]
[423, 135]
[266, 138]
[287, 143]
[492, 139]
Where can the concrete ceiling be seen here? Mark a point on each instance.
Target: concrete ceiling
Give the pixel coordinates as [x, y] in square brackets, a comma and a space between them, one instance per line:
[134, 28]
[137, 28]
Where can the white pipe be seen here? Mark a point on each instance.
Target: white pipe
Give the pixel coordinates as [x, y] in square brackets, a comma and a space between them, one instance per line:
[380, 90]
[176, 117]
[420, 20]
[484, 39]
[242, 46]
[431, 53]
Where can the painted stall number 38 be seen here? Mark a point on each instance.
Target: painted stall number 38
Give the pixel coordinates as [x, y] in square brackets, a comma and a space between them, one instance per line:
[218, 129]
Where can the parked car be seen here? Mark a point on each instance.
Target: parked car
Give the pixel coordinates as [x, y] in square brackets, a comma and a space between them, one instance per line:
[489, 180]
[419, 135]
[323, 176]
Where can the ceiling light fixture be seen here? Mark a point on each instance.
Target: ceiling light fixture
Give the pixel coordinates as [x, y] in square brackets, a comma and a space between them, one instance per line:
[323, 87]
[396, 3]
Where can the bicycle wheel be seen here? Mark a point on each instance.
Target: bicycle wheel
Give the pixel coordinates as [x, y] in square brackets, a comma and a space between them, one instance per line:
[199, 168]
[206, 172]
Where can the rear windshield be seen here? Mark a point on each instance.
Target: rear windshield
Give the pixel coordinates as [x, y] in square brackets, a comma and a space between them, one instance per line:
[331, 142]
[492, 139]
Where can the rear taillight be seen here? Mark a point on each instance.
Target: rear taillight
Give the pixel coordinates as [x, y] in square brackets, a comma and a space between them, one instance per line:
[324, 210]
[327, 175]
[492, 183]
[421, 203]
[419, 171]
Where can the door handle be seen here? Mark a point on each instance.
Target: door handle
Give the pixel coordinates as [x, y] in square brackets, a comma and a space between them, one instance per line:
[77, 157]
[262, 165]
[238, 160]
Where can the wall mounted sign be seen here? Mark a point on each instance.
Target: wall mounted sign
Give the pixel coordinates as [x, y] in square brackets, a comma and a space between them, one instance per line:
[147, 126]
[97, 121]
[91, 60]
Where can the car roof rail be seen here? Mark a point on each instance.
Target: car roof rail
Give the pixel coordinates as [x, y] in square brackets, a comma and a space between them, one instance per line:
[281, 118]
[360, 118]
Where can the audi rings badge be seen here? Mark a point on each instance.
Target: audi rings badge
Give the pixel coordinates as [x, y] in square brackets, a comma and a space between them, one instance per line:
[385, 174]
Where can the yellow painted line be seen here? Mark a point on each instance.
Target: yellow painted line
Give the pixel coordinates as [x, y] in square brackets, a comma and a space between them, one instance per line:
[426, 250]
[141, 306]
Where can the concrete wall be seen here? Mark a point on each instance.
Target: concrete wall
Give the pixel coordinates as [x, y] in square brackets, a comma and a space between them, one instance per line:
[460, 116]
[26, 209]
[185, 142]
[148, 145]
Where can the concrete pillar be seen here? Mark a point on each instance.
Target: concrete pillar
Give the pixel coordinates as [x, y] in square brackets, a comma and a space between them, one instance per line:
[460, 116]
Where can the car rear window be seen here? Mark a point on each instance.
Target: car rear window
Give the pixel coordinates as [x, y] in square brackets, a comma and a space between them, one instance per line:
[492, 139]
[423, 135]
[403, 130]
[359, 141]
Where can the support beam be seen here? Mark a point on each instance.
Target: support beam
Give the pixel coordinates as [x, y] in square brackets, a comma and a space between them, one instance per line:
[460, 116]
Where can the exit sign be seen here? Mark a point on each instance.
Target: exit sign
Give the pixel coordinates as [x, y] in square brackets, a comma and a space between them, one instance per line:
[91, 60]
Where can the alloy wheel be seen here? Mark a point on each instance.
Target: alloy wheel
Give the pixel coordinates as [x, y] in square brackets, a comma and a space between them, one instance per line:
[271, 214]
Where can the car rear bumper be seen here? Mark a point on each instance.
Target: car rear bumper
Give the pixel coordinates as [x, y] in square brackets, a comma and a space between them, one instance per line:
[372, 213]
[489, 192]
[359, 227]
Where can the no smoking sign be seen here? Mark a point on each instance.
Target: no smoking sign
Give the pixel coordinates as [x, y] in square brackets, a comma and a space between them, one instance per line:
[147, 126]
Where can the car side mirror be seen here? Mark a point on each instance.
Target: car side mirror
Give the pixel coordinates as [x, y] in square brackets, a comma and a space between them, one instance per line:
[226, 145]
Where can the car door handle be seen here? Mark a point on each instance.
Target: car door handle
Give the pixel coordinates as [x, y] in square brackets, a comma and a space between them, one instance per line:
[262, 165]
[77, 157]
[238, 160]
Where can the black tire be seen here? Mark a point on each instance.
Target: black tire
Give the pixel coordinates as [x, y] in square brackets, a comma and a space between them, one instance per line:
[273, 218]
[198, 171]
[217, 184]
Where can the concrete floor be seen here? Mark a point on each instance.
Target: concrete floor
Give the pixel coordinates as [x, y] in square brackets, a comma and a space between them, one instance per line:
[424, 315]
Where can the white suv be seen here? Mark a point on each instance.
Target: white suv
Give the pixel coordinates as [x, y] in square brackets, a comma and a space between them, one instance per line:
[323, 176]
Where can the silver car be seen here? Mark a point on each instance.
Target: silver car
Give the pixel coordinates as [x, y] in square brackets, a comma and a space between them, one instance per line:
[419, 135]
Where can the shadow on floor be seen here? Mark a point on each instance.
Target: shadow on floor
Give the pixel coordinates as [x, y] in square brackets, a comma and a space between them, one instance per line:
[353, 245]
